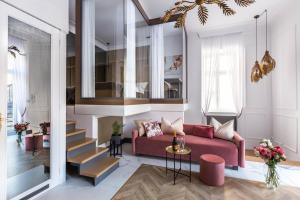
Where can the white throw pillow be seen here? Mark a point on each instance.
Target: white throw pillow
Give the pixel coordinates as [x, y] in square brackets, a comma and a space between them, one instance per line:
[223, 131]
[140, 126]
[169, 128]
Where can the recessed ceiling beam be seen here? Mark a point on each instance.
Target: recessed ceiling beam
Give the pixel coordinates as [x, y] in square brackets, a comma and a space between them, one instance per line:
[159, 20]
[141, 9]
[154, 21]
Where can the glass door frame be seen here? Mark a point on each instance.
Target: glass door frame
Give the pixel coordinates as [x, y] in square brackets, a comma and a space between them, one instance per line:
[58, 98]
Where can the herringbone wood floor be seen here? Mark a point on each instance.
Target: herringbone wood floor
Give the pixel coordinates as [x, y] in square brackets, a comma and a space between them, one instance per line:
[151, 183]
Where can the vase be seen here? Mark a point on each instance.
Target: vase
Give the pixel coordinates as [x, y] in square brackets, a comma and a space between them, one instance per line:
[19, 139]
[272, 177]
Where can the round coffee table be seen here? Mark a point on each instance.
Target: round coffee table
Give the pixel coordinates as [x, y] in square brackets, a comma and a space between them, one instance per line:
[181, 152]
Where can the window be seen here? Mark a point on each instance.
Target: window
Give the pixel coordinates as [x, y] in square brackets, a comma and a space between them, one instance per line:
[223, 74]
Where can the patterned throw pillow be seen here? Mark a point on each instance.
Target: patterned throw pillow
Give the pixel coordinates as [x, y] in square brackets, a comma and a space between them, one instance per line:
[223, 131]
[152, 129]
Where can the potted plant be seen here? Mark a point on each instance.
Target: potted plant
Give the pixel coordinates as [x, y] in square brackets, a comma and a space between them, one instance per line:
[116, 135]
[272, 156]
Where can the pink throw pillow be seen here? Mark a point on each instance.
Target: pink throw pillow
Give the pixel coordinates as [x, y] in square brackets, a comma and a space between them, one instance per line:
[152, 129]
[203, 131]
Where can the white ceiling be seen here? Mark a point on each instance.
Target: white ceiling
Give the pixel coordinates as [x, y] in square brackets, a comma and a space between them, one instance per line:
[216, 17]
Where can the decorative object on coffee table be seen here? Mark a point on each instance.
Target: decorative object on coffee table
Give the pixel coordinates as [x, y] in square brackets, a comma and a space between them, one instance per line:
[116, 139]
[272, 156]
[175, 145]
[212, 169]
[179, 153]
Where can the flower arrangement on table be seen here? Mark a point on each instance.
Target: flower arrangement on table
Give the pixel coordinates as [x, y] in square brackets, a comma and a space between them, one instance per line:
[44, 128]
[272, 156]
[19, 128]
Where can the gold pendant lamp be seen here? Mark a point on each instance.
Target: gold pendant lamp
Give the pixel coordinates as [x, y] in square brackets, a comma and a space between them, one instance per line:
[267, 62]
[256, 73]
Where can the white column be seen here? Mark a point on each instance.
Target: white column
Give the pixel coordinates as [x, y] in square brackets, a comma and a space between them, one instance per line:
[130, 68]
[157, 62]
[88, 49]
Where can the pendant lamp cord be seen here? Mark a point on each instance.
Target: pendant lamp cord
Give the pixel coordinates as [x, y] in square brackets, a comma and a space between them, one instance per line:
[256, 17]
[266, 29]
[256, 39]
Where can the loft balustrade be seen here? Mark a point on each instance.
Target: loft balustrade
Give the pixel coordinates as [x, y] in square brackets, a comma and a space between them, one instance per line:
[132, 62]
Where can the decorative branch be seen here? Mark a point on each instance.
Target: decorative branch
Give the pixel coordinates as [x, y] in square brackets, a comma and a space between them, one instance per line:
[182, 8]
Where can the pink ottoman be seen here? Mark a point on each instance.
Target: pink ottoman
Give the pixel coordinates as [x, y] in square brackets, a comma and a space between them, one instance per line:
[212, 170]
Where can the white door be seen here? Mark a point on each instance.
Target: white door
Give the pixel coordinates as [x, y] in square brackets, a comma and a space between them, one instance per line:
[56, 98]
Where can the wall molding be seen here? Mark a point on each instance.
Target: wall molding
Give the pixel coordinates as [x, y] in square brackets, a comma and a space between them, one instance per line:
[292, 149]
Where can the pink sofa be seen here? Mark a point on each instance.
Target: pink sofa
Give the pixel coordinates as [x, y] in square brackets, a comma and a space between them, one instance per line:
[232, 152]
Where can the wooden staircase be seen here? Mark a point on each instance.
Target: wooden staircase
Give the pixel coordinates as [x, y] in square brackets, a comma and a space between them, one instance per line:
[91, 161]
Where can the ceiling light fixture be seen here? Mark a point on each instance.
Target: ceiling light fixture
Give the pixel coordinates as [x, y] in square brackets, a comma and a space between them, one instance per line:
[256, 73]
[267, 62]
[182, 7]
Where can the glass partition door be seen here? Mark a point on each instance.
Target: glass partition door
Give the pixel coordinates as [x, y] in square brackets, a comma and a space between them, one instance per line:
[30, 135]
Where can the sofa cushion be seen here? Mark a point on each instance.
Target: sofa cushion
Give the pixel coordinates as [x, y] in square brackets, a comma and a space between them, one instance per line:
[152, 129]
[188, 129]
[203, 131]
[169, 128]
[223, 131]
[140, 126]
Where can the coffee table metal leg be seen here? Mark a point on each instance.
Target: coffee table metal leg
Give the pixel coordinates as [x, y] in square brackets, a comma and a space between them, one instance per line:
[166, 163]
[121, 149]
[179, 162]
[190, 167]
[174, 170]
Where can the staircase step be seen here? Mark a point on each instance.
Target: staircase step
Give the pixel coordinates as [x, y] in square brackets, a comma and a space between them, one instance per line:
[70, 123]
[74, 132]
[100, 168]
[87, 156]
[80, 143]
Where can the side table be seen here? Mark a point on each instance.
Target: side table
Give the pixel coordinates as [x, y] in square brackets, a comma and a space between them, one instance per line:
[115, 149]
[181, 152]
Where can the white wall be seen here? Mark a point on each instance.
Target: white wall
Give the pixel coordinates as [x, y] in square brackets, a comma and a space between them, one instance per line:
[39, 102]
[255, 122]
[87, 116]
[54, 12]
[193, 114]
[169, 112]
[285, 41]
[173, 45]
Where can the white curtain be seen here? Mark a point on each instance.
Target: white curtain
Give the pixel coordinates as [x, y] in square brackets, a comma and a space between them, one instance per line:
[223, 74]
[157, 61]
[18, 68]
[88, 49]
[130, 70]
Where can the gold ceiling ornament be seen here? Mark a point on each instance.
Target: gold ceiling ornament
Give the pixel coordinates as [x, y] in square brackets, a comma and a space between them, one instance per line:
[182, 7]
[267, 62]
[256, 73]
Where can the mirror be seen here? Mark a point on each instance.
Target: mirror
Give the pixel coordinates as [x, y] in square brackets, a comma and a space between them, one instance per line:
[28, 107]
